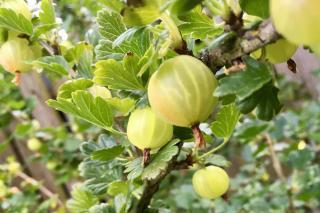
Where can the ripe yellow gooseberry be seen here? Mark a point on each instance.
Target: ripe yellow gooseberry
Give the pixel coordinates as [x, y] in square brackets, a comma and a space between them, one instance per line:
[278, 52]
[18, 6]
[14, 167]
[100, 91]
[146, 131]
[298, 21]
[316, 49]
[210, 182]
[34, 144]
[14, 55]
[181, 91]
[51, 164]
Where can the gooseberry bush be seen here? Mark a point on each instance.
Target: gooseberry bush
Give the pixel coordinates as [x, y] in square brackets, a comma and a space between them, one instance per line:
[178, 90]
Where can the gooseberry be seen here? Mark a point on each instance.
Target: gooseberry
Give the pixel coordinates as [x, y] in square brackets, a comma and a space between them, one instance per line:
[181, 93]
[14, 56]
[99, 91]
[51, 164]
[34, 144]
[297, 21]
[146, 131]
[210, 182]
[3, 189]
[316, 49]
[278, 52]
[14, 167]
[18, 6]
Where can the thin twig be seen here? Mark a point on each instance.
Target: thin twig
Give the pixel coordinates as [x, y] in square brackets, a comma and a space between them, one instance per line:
[278, 169]
[274, 158]
[152, 186]
[45, 191]
[236, 47]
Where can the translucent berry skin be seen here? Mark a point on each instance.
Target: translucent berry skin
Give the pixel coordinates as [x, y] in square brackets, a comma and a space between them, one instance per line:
[99, 91]
[181, 91]
[14, 55]
[278, 52]
[298, 21]
[34, 144]
[146, 131]
[18, 6]
[210, 182]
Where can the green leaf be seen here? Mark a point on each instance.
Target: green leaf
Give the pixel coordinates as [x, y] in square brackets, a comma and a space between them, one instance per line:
[23, 129]
[226, 121]
[246, 82]
[134, 168]
[111, 27]
[83, 105]
[127, 35]
[82, 56]
[183, 6]
[41, 29]
[266, 100]
[160, 162]
[114, 5]
[107, 154]
[14, 21]
[118, 187]
[198, 25]
[250, 130]
[102, 208]
[256, 7]
[82, 200]
[66, 89]
[117, 75]
[141, 16]
[137, 45]
[87, 148]
[56, 64]
[47, 14]
[110, 24]
[218, 160]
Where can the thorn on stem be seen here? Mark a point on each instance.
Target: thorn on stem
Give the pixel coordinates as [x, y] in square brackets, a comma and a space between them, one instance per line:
[198, 136]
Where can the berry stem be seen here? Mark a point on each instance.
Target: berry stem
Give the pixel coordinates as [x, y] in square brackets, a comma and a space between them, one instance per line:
[17, 79]
[146, 157]
[198, 136]
[225, 141]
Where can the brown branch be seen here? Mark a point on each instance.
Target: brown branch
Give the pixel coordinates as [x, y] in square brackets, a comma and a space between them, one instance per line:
[46, 192]
[152, 186]
[274, 158]
[234, 47]
[278, 169]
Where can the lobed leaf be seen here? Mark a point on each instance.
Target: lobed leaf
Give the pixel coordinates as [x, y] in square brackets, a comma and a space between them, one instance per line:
[226, 121]
[66, 89]
[56, 64]
[14, 21]
[198, 25]
[117, 75]
[83, 105]
[107, 154]
[245, 83]
[82, 200]
[160, 162]
[47, 14]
